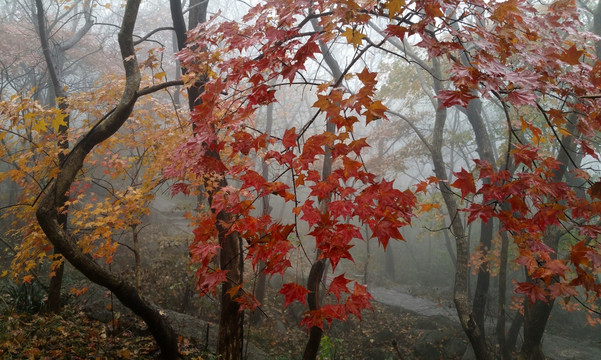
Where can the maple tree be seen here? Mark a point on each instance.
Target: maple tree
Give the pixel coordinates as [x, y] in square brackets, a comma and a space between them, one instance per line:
[494, 52]
[533, 61]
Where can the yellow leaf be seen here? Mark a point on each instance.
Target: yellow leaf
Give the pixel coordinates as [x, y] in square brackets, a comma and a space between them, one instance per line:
[394, 7]
[160, 75]
[30, 116]
[124, 353]
[353, 36]
[427, 207]
[58, 121]
[375, 111]
[323, 87]
[40, 126]
[4, 273]
[107, 5]
[322, 102]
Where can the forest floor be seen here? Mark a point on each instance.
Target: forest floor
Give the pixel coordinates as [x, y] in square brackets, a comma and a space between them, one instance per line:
[408, 322]
[73, 335]
[414, 327]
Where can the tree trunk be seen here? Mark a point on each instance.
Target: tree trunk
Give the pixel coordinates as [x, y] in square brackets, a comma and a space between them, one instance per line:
[485, 152]
[53, 303]
[597, 27]
[137, 258]
[53, 199]
[535, 321]
[313, 284]
[501, 314]
[231, 320]
[261, 277]
[449, 246]
[54, 64]
[537, 314]
[318, 267]
[460, 294]
[512, 335]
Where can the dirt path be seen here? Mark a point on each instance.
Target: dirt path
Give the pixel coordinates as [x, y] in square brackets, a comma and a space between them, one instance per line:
[555, 347]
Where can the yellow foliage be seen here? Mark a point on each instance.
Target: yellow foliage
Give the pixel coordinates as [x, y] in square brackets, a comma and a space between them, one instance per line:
[130, 164]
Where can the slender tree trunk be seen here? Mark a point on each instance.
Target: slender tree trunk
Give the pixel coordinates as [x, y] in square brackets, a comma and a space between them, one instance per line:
[53, 303]
[485, 152]
[261, 277]
[231, 321]
[318, 267]
[449, 247]
[501, 301]
[367, 259]
[512, 334]
[137, 258]
[230, 338]
[53, 56]
[597, 27]
[313, 284]
[460, 294]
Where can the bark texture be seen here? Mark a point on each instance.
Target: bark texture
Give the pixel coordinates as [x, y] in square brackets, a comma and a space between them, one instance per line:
[313, 284]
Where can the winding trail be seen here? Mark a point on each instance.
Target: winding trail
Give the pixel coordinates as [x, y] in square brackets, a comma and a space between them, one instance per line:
[555, 347]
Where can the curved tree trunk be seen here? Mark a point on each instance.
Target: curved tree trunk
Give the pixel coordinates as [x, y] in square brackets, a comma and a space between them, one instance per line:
[460, 294]
[53, 199]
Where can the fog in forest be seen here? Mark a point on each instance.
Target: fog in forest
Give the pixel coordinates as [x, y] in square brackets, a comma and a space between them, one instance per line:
[294, 179]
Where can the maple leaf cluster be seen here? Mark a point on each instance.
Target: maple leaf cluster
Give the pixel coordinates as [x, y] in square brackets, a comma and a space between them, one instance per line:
[530, 60]
[250, 63]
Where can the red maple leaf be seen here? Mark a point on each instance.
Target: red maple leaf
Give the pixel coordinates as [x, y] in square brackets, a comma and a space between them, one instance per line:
[313, 318]
[385, 230]
[209, 280]
[525, 154]
[578, 254]
[247, 301]
[532, 291]
[559, 290]
[289, 138]
[333, 311]
[358, 300]
[450, 98]
[374, 111]
[464, 182]
[293, 291]
[572, 55]
[252, 179]
[338, 285]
